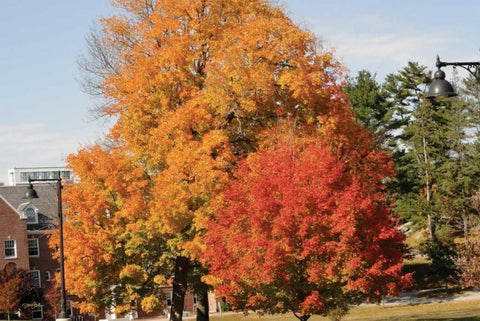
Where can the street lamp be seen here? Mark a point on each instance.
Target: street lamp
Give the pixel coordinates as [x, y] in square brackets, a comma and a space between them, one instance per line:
[31, 193]
[442, 88]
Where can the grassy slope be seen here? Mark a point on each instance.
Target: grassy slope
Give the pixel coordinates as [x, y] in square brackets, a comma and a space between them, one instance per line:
[454, 311]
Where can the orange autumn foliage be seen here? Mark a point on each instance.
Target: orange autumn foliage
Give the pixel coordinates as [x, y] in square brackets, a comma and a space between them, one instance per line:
[190, 67]
[108, 251]
[198, 85]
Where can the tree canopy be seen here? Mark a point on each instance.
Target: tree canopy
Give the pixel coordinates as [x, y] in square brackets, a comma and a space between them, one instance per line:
[193, 87]
[16, 289]
[298, 231]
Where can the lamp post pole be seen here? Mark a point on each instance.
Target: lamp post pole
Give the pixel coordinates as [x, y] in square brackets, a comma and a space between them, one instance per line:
[31, 193]
[442, 88]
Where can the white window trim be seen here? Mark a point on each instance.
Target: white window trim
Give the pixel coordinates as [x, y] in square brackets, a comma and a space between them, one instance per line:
[38, 247]
[39, 277]
[36, 214]
[14, 256]
[169, 297]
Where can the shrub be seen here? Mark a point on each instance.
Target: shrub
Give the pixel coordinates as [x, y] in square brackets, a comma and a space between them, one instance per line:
[468, 262]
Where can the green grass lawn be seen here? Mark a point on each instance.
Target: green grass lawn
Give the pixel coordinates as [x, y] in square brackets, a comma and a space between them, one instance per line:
[451, 311]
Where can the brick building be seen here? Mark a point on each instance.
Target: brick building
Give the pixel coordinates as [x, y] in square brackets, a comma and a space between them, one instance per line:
[13, 237]
[24, 234]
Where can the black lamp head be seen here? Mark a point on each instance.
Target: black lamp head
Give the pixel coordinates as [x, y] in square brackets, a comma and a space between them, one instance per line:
[30, 193]
[440, 87]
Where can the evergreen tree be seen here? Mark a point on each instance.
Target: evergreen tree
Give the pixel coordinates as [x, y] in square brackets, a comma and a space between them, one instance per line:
[369, 101]
[435, 148]
[459, 175]
[418, 144]
[470, 92]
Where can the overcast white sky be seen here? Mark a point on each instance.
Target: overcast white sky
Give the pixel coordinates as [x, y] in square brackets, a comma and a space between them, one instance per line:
[44, 114]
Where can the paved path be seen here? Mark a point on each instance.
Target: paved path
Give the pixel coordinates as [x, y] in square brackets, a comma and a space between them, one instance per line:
[413, 298]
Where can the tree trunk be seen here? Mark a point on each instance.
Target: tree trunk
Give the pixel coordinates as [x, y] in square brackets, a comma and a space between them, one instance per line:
[202, 305]
[182, 267]
[465, 225]
[304, 317]
[430, 227]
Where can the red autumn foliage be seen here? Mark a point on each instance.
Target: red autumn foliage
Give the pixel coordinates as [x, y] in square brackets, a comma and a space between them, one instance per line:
[298, 230]
[15, 289]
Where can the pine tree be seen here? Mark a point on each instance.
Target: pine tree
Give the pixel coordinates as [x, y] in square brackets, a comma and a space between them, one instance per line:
[459, 177]
[419, 147]
[369, 101]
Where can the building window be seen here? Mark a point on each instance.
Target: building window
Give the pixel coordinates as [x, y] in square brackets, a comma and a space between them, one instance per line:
[37, 313]
[48, 277]
[66, 175]
[31, 214]
[36, 278]
[168, 297]
[33, 248]
[69, 307]
[195, 303]
[23, 177]
[10, 249]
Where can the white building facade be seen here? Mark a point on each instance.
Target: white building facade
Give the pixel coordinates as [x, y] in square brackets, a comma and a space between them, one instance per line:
[20, 175]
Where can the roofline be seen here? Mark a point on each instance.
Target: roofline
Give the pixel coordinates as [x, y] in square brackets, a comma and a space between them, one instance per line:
[13, 208]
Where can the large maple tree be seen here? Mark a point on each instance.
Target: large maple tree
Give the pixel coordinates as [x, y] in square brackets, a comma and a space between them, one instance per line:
[299, 231]
[193, 86]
